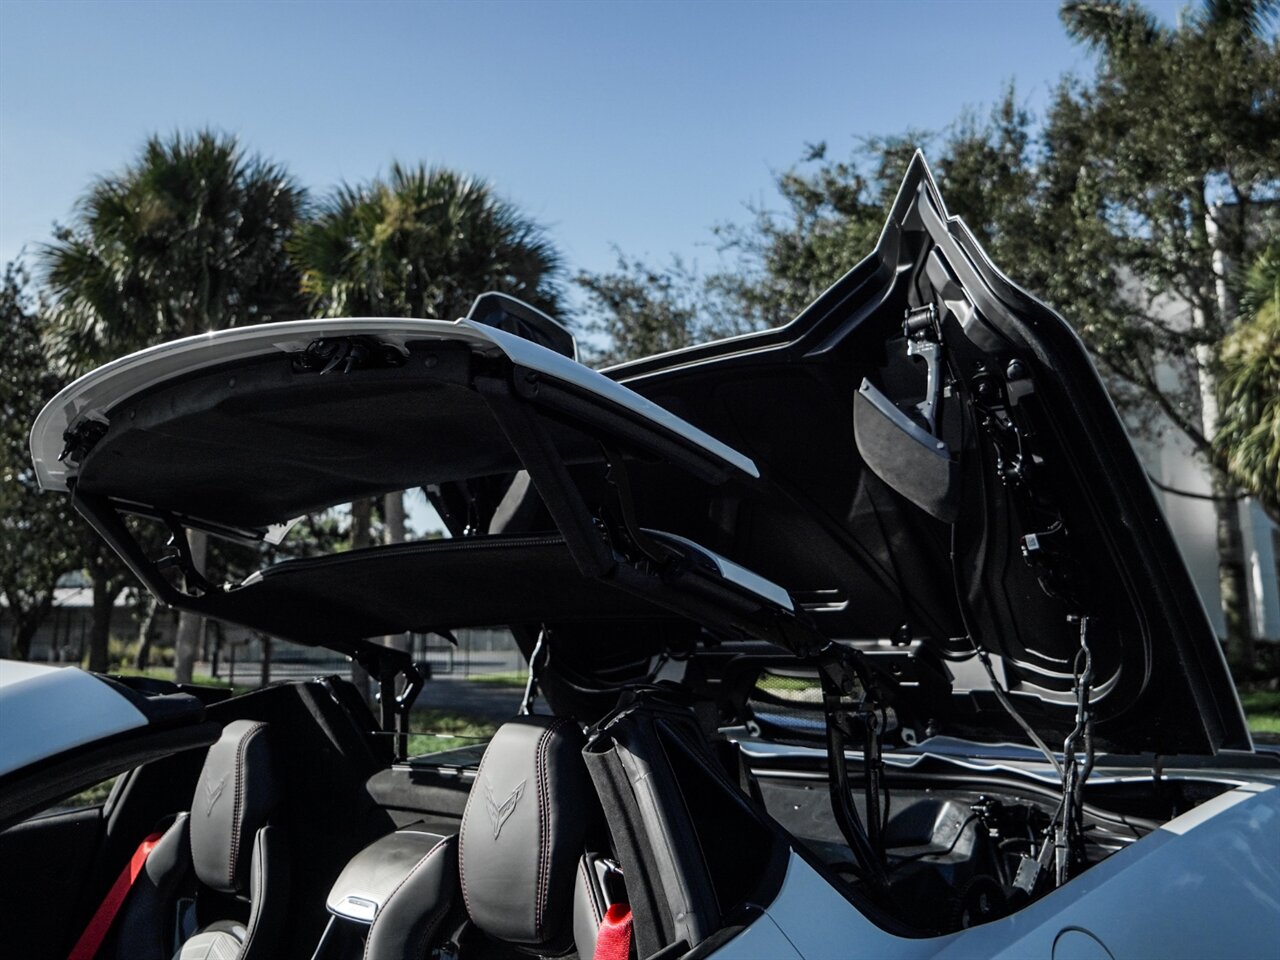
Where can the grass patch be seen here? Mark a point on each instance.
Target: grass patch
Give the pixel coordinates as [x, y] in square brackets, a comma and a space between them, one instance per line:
[777, 683]
[1262, 707]
[436, 730]
[506, 678]
[94, 796]
[166, 673]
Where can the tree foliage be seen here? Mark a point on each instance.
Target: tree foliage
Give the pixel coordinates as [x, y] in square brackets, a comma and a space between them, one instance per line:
[636, 311]
[1155, 177]
[422, 243]
[38, 535]
[1248, 440]
[188, 238]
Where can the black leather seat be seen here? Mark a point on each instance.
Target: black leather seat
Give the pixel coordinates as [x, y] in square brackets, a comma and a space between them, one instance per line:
[519, 854]
[405, 886]
[216, 885]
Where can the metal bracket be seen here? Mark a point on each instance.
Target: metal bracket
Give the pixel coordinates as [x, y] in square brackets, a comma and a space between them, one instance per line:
[194, 582]
[537, 658]
[387, 665]
[924, 340]
[81, 438]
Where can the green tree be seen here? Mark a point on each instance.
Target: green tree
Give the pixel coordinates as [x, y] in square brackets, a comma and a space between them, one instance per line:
[422, 243]
[38, 535]
[188, 238]
[1248, 439]
[1157, 180]
[636, 310]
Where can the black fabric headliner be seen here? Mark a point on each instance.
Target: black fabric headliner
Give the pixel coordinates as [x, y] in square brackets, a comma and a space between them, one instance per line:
[263, 442]
[439, 584]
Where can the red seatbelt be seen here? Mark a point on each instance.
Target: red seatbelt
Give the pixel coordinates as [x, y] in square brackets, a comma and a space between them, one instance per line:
[86, 947]
[613, 941]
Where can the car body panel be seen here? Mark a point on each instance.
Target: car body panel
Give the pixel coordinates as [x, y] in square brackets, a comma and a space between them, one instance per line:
[47, 710]
[1205, 885]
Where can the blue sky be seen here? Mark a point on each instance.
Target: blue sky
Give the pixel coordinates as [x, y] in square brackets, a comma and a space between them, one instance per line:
[639, 125]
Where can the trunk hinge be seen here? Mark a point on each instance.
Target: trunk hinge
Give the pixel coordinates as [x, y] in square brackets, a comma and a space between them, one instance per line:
[924, 340]
[81, 438]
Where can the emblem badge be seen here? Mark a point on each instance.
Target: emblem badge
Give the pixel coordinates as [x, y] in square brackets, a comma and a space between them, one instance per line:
[499, 812]
[212, 791]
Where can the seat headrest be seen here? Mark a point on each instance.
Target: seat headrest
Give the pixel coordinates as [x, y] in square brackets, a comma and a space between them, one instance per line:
[523, 830]
[234, 798]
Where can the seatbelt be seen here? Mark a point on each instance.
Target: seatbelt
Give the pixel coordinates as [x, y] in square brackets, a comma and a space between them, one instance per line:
[613, 941]
[86, 947]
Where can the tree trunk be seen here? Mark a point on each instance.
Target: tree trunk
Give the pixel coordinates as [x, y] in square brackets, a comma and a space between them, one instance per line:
[393, 511]
[27, 619]
[190, 625]
[104, 598]
[265, 677]
[1233, 583]
[361, 536]
[24, 629]
[146, 631]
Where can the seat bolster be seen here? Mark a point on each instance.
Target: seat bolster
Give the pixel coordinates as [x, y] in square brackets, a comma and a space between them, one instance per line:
[144, 930]
[219, 940]
[588, 908]
[269, 883]
[411, 919]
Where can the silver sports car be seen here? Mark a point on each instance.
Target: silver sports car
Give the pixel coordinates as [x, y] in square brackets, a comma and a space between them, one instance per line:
[859, 637]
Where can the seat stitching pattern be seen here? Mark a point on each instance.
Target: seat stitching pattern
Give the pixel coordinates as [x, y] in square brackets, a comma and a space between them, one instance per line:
[462, 833]
[382, 912]
[255, 908]
[428, 928]
[544, 825]
[238, 810]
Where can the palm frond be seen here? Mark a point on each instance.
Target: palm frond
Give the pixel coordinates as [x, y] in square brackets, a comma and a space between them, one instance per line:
[1245, 17]
[1110, 26]
[423, 242]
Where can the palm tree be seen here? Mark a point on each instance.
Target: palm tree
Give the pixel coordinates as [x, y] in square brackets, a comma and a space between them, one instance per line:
[1248, 439]
[190, 237]
[422, 243]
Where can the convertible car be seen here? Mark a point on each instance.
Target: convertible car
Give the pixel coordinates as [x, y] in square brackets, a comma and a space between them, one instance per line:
[859, 637]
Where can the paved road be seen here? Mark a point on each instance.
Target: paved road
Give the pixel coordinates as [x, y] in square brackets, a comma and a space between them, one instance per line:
[446, 691]
[492, 701]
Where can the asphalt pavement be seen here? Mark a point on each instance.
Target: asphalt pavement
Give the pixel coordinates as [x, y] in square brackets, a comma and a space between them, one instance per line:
[478, 698]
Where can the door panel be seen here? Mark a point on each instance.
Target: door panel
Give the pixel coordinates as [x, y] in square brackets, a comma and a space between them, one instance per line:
[44, 863]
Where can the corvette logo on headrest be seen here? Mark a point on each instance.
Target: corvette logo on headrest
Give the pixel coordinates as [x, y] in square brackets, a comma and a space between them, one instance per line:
[212, 791]
[499, 812]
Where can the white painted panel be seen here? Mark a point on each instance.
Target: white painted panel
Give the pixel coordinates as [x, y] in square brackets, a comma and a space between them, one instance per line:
[46, 710]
